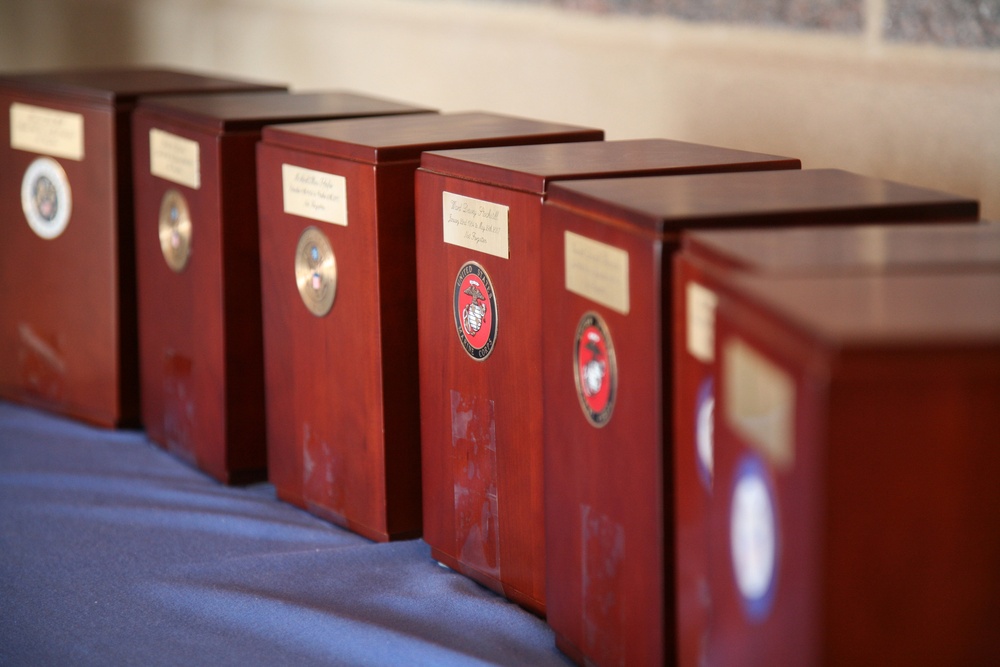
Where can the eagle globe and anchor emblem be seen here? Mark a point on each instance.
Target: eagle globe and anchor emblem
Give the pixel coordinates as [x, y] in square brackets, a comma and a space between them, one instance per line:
[475, 310]
[595, 369]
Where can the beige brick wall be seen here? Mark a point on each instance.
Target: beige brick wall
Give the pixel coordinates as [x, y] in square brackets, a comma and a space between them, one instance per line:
[879, 98]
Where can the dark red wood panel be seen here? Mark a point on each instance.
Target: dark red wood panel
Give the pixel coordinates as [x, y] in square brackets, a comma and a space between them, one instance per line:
[482, 418]
[201, 329]
[876, 509]
[343, 392]
[68, 340]
[644, 216]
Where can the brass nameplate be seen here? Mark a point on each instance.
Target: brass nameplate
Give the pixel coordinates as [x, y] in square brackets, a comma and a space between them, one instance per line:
[174, 158]
[47, 131]
[314, 194]
[597, 271]
[476, 224]
[701, 304]
[760, 401]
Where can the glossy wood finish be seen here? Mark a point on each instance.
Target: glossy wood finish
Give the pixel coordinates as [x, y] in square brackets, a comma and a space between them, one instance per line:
[234, 113]
[877, 249]
[707, 259]
[483, 503]
[125, 85]
[342, 389]
[68, 340]
[884, 510]
[201, 347]
[532, 168]
[609, 499]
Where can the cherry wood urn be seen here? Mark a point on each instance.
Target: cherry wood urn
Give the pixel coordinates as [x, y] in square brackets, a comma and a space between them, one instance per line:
[856, 500]
[340, 307]
[201, 348]
[481, 302]
[67, 259]
[608, 380]
[701, 270]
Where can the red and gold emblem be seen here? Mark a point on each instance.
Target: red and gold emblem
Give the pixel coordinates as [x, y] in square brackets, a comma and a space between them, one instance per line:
[475, 310]
[595, 370]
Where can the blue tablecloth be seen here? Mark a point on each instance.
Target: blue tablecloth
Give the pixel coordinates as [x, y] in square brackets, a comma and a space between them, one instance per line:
[112, 552]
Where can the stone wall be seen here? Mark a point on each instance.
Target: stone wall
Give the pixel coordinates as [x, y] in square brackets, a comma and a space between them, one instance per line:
[903, 89]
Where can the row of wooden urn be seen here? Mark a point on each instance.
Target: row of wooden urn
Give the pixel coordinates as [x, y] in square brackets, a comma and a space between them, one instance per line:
[694, 405]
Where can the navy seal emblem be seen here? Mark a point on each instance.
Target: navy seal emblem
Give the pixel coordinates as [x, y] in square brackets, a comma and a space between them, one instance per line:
[45, 198]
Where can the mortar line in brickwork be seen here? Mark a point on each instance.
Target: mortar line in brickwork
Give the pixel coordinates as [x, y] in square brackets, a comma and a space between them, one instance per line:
[874, 23]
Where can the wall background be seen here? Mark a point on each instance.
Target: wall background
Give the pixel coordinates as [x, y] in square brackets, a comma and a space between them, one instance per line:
[902, 89]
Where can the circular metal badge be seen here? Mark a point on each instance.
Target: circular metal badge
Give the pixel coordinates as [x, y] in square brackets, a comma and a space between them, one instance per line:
[475, 309]
[595, 369]
[175, 230]
[704, 440]
[316, 271]
[45, 197]
[753, 538]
